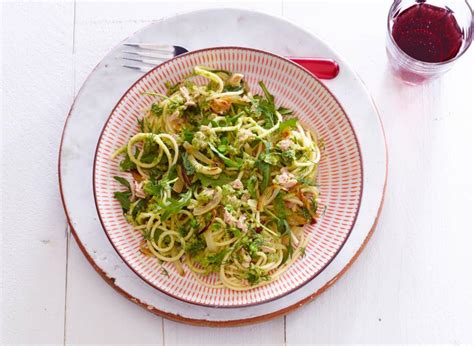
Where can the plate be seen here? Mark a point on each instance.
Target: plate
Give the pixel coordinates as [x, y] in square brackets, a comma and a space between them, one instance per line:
[340, 171]
[108, 81]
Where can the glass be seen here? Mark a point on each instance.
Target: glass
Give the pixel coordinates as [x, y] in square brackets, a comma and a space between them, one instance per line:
[437, 33]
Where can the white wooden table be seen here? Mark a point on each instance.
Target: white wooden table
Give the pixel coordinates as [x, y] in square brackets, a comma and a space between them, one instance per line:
[412, 284]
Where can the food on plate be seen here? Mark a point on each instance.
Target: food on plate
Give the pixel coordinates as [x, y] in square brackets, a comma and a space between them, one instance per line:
[220, 181]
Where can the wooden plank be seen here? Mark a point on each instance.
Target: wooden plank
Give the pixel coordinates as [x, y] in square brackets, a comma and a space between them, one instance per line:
[409, 286]
[96, 314]
[37, 81]
[93, 318]
[267, 333]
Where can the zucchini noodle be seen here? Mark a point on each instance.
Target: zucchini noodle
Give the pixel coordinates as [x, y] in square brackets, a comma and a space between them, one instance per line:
[220, 182]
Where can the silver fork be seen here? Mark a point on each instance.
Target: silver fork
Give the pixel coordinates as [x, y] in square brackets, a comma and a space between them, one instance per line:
[149, 55]
[146, 56]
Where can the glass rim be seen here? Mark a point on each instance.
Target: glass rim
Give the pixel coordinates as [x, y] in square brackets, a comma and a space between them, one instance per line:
[421, 62]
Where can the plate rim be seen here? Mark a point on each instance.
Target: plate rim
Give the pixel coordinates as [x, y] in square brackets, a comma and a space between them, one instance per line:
[211, 49]
[278, 311]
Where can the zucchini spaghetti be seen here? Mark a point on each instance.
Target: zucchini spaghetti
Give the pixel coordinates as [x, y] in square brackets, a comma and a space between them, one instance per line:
[221, 181]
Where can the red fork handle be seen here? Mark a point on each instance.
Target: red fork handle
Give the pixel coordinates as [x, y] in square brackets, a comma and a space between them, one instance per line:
[321, 68]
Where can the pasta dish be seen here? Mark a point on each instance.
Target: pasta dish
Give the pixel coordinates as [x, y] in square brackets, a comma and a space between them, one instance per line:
[220, 181]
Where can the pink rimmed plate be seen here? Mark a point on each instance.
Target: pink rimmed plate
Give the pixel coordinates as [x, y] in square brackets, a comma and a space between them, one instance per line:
[340, 174]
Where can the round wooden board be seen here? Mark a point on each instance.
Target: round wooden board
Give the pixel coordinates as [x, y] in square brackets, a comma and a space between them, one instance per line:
[107, 83]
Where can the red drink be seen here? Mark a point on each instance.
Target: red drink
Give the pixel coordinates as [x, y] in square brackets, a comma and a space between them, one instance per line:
[427, 33]
[424, 40]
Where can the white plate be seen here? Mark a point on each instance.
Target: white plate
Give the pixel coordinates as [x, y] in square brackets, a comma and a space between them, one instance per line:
[109, 81]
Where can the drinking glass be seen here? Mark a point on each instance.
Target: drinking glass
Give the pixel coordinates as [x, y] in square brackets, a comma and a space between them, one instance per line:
[412, 70]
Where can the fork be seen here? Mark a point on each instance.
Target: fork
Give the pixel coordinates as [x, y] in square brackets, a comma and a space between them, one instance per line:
[147, 55]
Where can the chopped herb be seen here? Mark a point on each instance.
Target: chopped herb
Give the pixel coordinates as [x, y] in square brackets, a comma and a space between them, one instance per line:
[268, 96]
[265, 171]
[123, 196]
[156, 109]
[188, 167]
[255, 275]
[214, 182]
[124, 199]
[126, 164]
[305, 181]
[123, 181]
[139, 207]
[164, 272]
[183, 231]
[176, 205]
[251, 183]
[289, 123]
[146, 234]
[212, 262]
[150, 148]
[284, 111]
[235, 232]
[222, 148]
[141, 124]
[288, 157]
[228, 162]
[188, 135]
[195, 247]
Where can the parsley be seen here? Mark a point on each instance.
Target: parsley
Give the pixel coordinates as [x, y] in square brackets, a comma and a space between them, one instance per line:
[123, 181]
[176, 205]
[305, 181]
[188, 167]
[141, 124]
[139, 207]
[265, 170]
[156, 109]
[251, 182]
[256, 275]
[235, 231]
[194, 223]
[280, 208]
[285, 231]
[172, 88]
[124, 199]
[208, 181]
[146, 234]
[289, 123]
[223, 148]
[266, 106]
[213, 262]
[271, 159]
[264, 167]
[150, 148]
[284, 111]
[126, 164]
[123, 196]
[255, 245]
[188, 135]
[228, 162]
[156, 187]
[183, 231]
[288, 157]
[306, 214]
[193, 248]
[153, 188]
[268, 96]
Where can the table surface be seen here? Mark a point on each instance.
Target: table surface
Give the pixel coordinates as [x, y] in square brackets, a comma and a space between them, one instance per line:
[412, 284]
